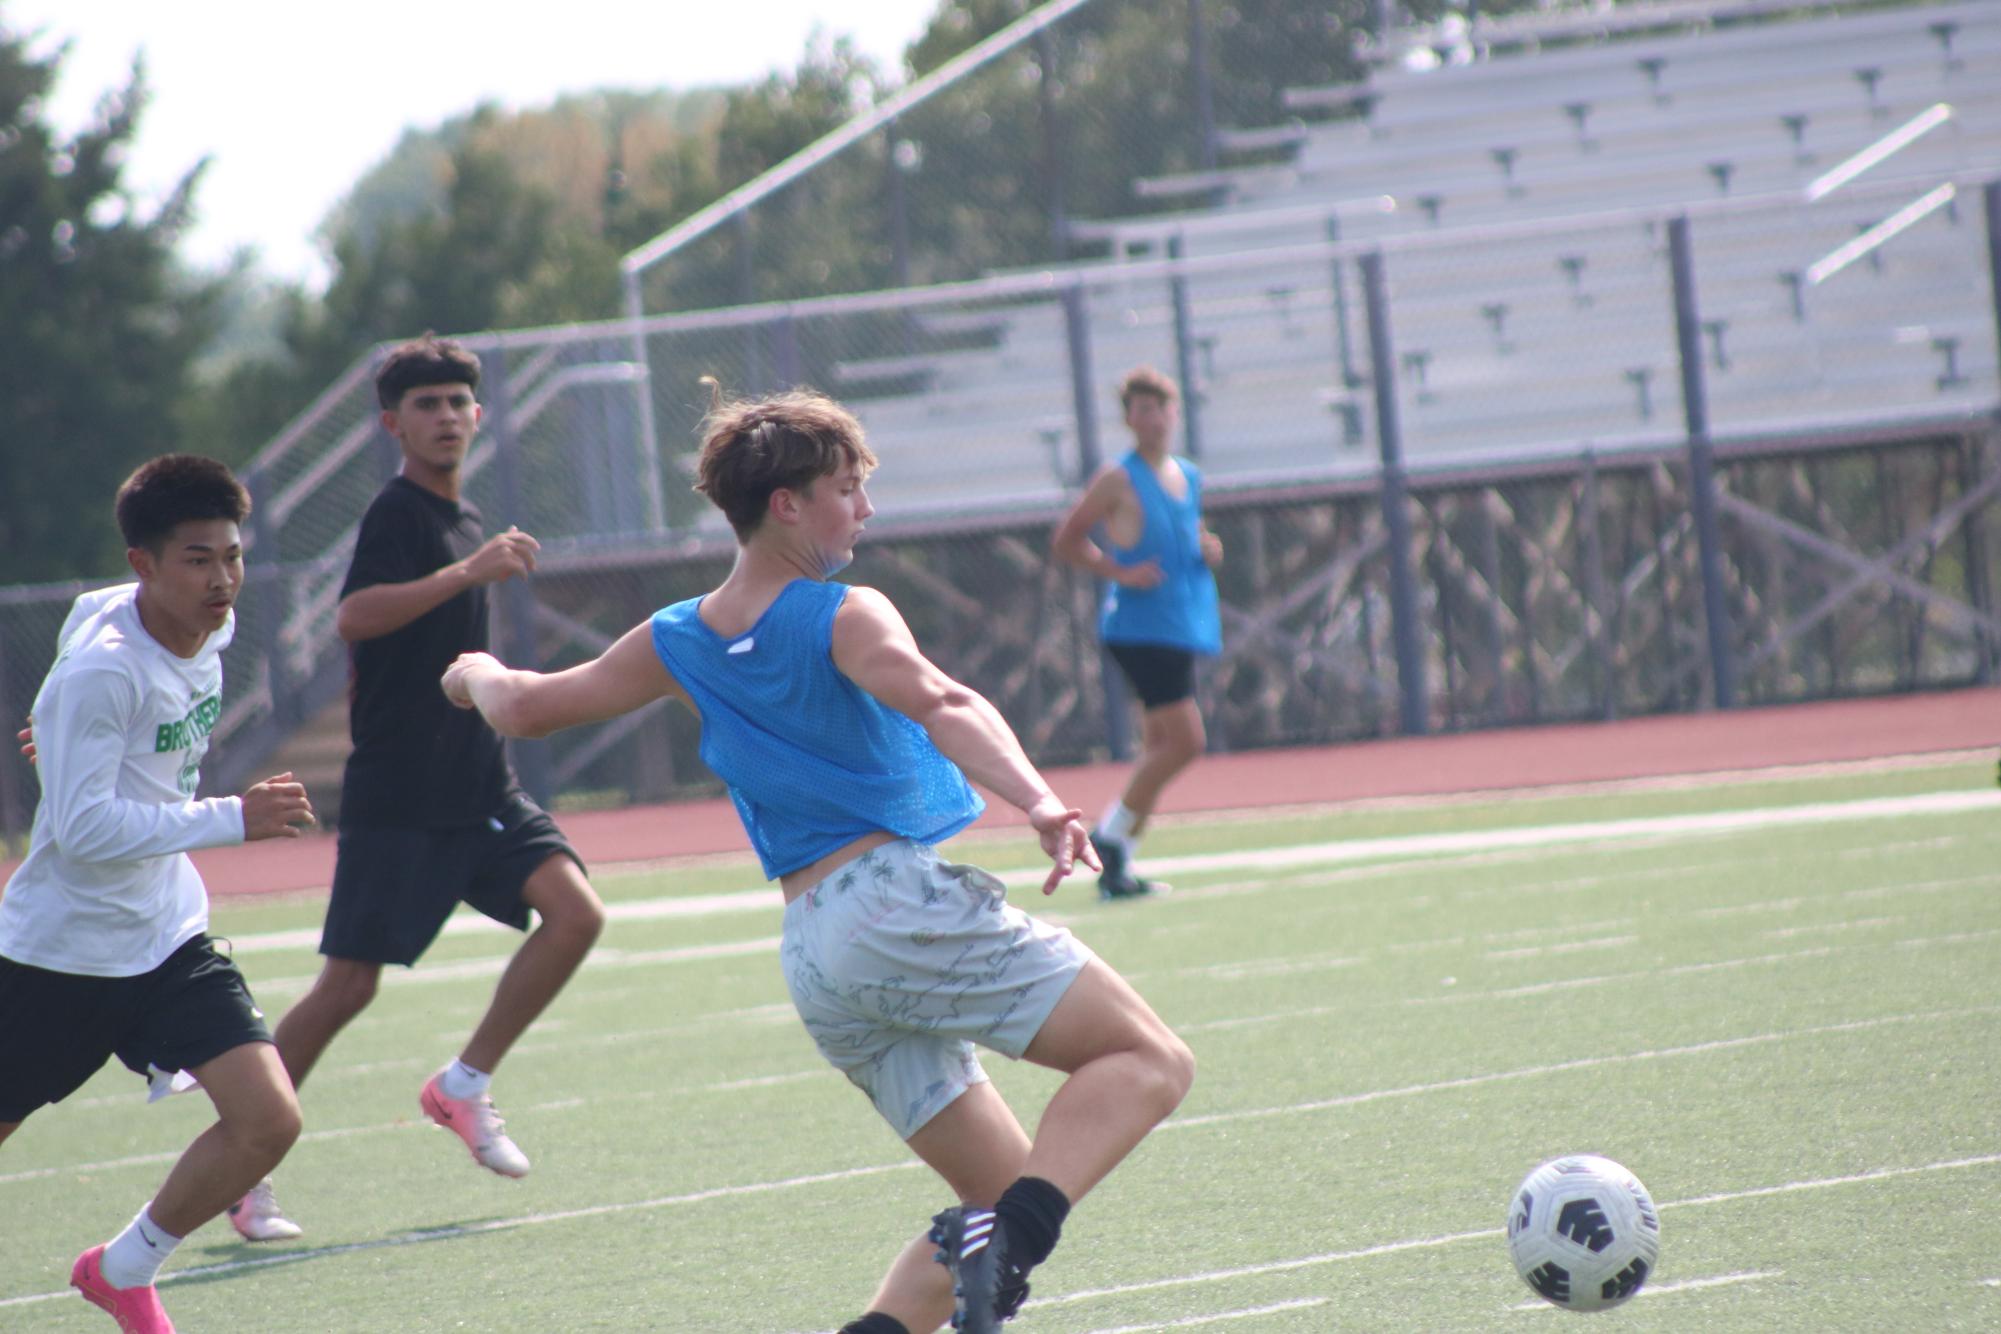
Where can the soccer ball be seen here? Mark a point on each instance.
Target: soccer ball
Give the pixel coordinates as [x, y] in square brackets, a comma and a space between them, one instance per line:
[1583, 1232]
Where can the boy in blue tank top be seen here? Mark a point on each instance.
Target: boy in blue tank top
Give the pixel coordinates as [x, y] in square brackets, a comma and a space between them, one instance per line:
[847, 753]
[1160, 610]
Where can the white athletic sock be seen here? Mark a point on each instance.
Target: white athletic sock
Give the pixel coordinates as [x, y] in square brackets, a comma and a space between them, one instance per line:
[1116, 824]
[462, 1081]
[134, 1257]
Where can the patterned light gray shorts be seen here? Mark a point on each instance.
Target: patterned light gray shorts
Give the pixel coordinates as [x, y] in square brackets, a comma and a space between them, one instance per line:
[900, 961]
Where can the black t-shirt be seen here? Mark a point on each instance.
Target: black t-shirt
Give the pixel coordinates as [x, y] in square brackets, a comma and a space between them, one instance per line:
[418, 761]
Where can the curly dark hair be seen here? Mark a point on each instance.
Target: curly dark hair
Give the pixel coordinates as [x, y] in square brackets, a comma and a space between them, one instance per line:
[422, 361]
[174, 489]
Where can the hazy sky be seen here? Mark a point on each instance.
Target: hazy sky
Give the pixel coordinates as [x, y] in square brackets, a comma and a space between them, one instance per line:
[294, 102]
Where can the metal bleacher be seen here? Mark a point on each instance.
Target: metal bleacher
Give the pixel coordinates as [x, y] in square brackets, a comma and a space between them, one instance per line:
[1521, 202]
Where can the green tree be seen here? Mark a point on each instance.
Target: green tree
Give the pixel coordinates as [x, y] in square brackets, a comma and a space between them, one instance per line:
[97, 325]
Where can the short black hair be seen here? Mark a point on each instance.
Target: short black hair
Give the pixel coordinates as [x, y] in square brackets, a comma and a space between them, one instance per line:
[421, 361]
[174, 489]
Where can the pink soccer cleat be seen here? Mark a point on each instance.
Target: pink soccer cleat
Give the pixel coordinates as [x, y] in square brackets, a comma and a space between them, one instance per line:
[137, 1310]
[475, 1121]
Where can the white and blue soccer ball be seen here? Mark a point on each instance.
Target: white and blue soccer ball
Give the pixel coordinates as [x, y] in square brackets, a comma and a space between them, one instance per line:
[1583, 1233]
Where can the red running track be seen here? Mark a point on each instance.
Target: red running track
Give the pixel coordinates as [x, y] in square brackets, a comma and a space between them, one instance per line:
[1501, 759]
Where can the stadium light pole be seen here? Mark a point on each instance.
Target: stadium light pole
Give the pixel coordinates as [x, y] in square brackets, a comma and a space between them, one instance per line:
[1411, 690]
[1701, 462]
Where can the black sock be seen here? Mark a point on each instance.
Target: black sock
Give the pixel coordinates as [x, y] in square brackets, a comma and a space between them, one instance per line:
[1034, 1212]
[875, 1322]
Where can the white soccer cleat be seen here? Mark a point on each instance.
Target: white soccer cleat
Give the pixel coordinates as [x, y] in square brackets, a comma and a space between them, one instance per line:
[478, 1123]
[258, 1217]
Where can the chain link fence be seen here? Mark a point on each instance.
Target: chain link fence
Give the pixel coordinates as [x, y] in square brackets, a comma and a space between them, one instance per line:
[1577, 461]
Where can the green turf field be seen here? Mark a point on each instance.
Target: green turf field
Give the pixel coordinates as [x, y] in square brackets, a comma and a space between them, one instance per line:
[1778, 1003]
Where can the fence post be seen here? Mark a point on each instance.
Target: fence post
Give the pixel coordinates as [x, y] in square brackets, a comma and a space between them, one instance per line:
[1083, 400]
[1978, 591]
[1396, 502]
[1598, 633]
[1052, 144]
[517, 599]
[1205, 102]
[16, 812]
[642, 389]
[273, 598]
[785, 350]
[746, 294]
[1701, 462]
[1184, 355]
[1349, 379]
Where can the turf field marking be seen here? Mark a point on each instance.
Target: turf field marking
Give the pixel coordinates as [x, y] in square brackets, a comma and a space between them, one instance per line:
[1823, 928]
[1275, 966]
[1629, 832]
[1903, 846]
[1670, 1289]
[460, 1230]
[1215, 1118]
[1247, 1313]
[603, 957]
[1563, 1067]
[1566, 947]
[856, 1173]
[1453, 1238]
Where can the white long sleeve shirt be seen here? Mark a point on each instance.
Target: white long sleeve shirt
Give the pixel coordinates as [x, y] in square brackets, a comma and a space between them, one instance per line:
[121, 726]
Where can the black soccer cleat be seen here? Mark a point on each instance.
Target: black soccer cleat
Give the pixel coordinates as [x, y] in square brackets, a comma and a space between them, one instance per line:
[1117, 882]
[987, 1286]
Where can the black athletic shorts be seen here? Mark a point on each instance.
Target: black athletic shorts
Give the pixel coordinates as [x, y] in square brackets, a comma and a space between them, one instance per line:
[393, 888]
[1158, 674]
[58, 1029]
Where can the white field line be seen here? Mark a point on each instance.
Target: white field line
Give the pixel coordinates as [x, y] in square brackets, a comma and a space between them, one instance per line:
[1311, 854]
[1456, 997]
[1670, 1289]
[1564, 1067]
[1825, 928]
[1565, 947]
[1221, 1317]
[850, 1174]
[459, 1230]
[1543, 836]
[755, 901]
[1452, 1238]
[1218, 1118]
[769, 1015]
[602, 957]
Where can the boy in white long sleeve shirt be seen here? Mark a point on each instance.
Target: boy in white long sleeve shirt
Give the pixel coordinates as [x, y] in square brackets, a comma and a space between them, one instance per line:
[103, 928]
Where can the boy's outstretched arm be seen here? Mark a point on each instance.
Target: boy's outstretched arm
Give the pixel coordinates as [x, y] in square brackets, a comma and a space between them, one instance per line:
[626, 676]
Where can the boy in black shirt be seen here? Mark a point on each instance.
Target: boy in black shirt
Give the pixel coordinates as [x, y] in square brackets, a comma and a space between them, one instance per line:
[431, 814]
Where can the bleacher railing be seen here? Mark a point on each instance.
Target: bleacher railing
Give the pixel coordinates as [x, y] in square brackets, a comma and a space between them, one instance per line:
[1515, 398]
[1649, 455]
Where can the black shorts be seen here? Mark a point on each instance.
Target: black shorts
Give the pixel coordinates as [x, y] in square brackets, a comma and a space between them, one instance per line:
[393, 888]
[1158, 674]
[58, 1029]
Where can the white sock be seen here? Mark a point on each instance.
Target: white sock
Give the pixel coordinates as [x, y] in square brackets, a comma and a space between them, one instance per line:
[1116, 824]
[134, 1257]
[462, 1081]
